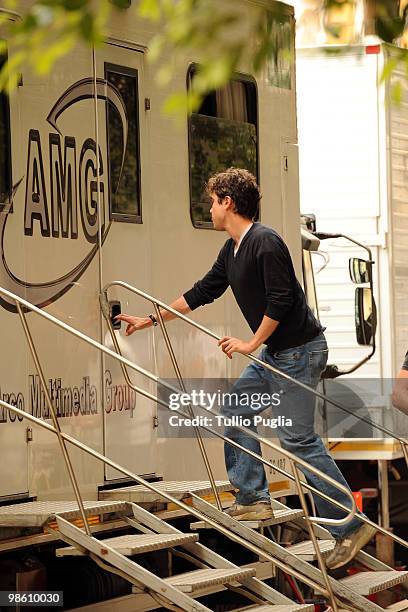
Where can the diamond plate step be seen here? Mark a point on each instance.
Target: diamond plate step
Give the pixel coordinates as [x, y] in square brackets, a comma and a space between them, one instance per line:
[399, 606]
[135, 544]
[367, 583]
[280, 516]
[305, 550]
[35, 514]
[279, 608]
[190, 582]
[140, 494]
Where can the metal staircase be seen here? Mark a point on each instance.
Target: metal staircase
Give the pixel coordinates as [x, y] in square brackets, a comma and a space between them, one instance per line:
[150, 533]
[214, 572]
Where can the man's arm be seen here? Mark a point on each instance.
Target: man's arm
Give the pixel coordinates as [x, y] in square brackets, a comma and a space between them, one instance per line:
[235, 345]
[137, 323]
[400, 391]
[211, 286]
[205, 291]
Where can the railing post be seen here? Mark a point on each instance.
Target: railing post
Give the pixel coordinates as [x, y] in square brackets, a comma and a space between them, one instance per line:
[313, 537]
[61, 441]
[197, 432]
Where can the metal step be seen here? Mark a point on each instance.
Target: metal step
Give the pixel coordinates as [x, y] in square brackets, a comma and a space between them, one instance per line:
[210, 558]
[280, 516]
[367, 583]
[190, 582]
[399, 606]
[279, 608]
[135, 544]
[284, 556]
[306, 551]
[140, 494]
[35, 514]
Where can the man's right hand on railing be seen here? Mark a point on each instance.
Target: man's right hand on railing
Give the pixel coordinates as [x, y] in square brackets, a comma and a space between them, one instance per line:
[137, 323]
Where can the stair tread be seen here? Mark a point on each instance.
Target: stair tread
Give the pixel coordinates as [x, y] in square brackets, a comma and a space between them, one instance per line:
[178, 489]
[132, 544]
[399, 606]
[368, 583]
[192, 581]
[306, 551]
[280, 516]
[36, 513]
[279, 608]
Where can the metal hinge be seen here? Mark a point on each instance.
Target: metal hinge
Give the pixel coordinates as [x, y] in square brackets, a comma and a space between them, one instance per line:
[147, 104]
[29, 434]
[285, 163]
[155, 421]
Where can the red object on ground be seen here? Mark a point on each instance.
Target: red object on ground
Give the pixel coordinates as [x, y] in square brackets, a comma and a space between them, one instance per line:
[359, 499]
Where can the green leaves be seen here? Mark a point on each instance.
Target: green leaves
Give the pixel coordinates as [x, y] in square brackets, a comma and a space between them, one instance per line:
[122, 4]
[150, 9]
[49, 30]
[389, 68]
[397, 92]
[222, 37]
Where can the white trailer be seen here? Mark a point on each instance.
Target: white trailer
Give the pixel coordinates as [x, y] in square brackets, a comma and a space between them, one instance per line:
[133, 211]
[353, 147]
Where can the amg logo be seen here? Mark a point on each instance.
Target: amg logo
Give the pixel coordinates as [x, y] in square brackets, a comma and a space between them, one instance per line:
[57, 215]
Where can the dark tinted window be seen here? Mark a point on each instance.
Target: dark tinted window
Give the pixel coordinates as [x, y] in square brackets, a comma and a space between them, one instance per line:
[222, 133]
[125, 202]
[5, 147]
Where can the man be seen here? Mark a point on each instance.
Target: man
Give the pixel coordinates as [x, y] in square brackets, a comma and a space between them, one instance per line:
[256, 264]
[400, 390]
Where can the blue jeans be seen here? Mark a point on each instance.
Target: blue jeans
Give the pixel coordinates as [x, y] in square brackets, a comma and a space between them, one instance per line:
[304, 363]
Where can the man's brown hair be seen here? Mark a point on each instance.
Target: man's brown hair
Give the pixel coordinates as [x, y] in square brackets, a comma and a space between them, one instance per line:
[242, 188]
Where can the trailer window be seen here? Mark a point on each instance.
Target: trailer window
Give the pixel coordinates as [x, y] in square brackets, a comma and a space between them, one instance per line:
[124, 183]
[222, 133]
[5, 145]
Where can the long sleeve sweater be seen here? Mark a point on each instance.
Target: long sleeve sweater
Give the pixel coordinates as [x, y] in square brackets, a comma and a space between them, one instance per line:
[263, 281]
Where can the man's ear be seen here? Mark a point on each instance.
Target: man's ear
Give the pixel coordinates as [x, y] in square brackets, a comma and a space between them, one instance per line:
[229, 203]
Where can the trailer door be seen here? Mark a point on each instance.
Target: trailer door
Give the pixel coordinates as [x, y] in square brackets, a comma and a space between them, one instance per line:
[129, 423]
[13, 356]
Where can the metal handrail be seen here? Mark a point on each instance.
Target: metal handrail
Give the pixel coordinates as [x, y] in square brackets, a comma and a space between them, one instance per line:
[61, 441]
[292, 458]
[154, 301]
[190, 509]
[125, 362]
[403, 442]
[351, 512]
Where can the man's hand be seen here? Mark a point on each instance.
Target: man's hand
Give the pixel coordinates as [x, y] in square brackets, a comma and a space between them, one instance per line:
[400, 392]
[134, 323]
[234, 345]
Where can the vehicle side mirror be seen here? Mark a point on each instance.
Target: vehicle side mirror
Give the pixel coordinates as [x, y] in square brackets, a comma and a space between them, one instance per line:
[360, 270]
[365, 316]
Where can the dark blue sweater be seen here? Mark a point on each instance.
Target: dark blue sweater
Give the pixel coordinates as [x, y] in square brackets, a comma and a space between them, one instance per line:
[263, 281]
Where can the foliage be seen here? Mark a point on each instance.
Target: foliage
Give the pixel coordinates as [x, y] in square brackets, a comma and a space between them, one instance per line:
[221, 34]
[385, 19]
